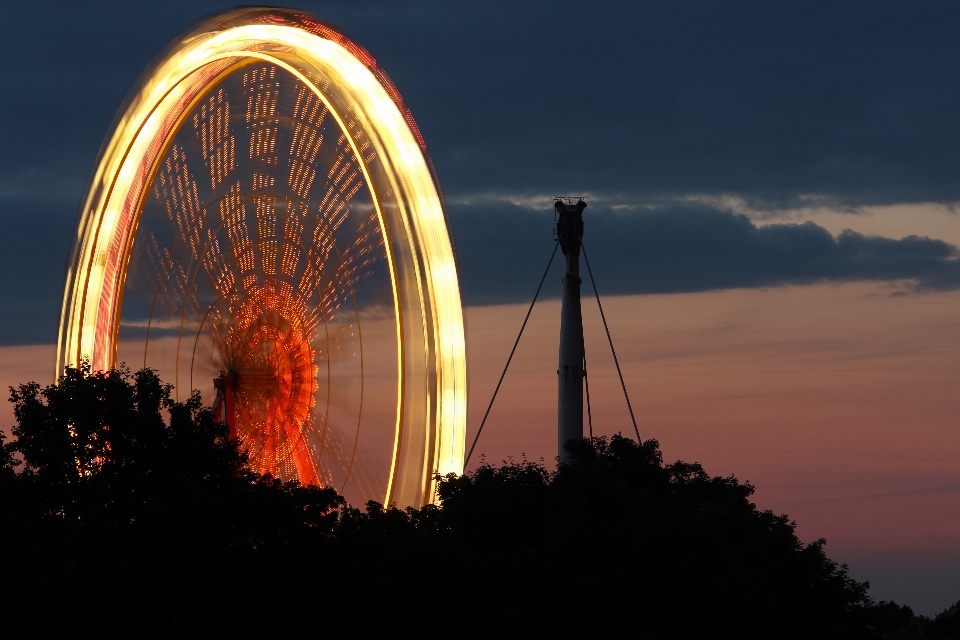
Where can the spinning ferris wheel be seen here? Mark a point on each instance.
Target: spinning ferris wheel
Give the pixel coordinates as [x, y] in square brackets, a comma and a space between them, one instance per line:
[264, 217]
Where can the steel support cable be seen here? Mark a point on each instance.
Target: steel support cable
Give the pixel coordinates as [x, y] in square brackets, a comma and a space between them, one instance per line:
[586, 380]
[512, 351]
[610, 340]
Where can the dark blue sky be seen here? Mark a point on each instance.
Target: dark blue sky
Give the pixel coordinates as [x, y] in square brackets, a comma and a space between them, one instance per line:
[643, 106]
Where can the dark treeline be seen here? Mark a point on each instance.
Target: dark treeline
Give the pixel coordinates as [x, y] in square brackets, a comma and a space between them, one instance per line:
[124, 513]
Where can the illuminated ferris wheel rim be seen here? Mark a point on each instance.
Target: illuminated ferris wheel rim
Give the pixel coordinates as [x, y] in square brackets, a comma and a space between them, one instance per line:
[296, 43]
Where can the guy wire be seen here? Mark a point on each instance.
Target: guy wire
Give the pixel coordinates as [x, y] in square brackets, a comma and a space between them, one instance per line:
[610, 340]
[512, 351]
[586, 380]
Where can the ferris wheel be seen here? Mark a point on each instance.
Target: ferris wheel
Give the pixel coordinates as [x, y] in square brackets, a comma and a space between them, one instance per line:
[264, 218]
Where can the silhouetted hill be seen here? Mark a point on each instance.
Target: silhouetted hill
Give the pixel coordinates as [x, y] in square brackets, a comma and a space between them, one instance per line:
[123, 513]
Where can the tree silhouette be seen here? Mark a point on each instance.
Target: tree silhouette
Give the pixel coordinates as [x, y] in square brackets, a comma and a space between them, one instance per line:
[665, 548]
[125, 513]
[132, 507]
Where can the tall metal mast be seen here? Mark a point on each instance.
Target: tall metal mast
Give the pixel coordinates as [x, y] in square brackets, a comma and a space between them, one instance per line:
[570, 369]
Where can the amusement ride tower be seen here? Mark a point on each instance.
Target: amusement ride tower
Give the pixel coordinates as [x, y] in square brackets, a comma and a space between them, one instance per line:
[570, 370]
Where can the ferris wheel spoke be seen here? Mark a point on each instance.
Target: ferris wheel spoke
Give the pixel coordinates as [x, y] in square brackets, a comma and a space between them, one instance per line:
[344, 269]
[187, 297]
[168, 261]
[196, 341]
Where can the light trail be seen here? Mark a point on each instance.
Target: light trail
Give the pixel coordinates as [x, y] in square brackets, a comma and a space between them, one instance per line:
[431, 396]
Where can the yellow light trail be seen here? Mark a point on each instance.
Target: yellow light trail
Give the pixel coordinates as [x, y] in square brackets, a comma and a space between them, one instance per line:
[432, 368]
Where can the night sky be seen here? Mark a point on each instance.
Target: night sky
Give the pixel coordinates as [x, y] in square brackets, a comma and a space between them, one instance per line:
[771, 189]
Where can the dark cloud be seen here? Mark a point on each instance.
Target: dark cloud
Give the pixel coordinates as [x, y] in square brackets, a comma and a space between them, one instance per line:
[503, 249]
[33, 261]
[851, 101]
[847, 103]
[854, 102]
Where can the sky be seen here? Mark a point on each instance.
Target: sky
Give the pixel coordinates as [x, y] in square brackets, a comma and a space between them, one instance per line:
[772, 222]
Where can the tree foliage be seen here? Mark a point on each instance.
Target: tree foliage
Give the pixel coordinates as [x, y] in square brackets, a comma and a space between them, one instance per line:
[124, 512]
[678, 552]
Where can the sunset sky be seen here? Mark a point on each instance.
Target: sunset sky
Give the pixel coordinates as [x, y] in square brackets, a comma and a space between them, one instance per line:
[772, 222]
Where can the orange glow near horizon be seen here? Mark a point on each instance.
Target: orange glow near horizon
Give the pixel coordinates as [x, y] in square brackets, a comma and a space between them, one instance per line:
[837, 402]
